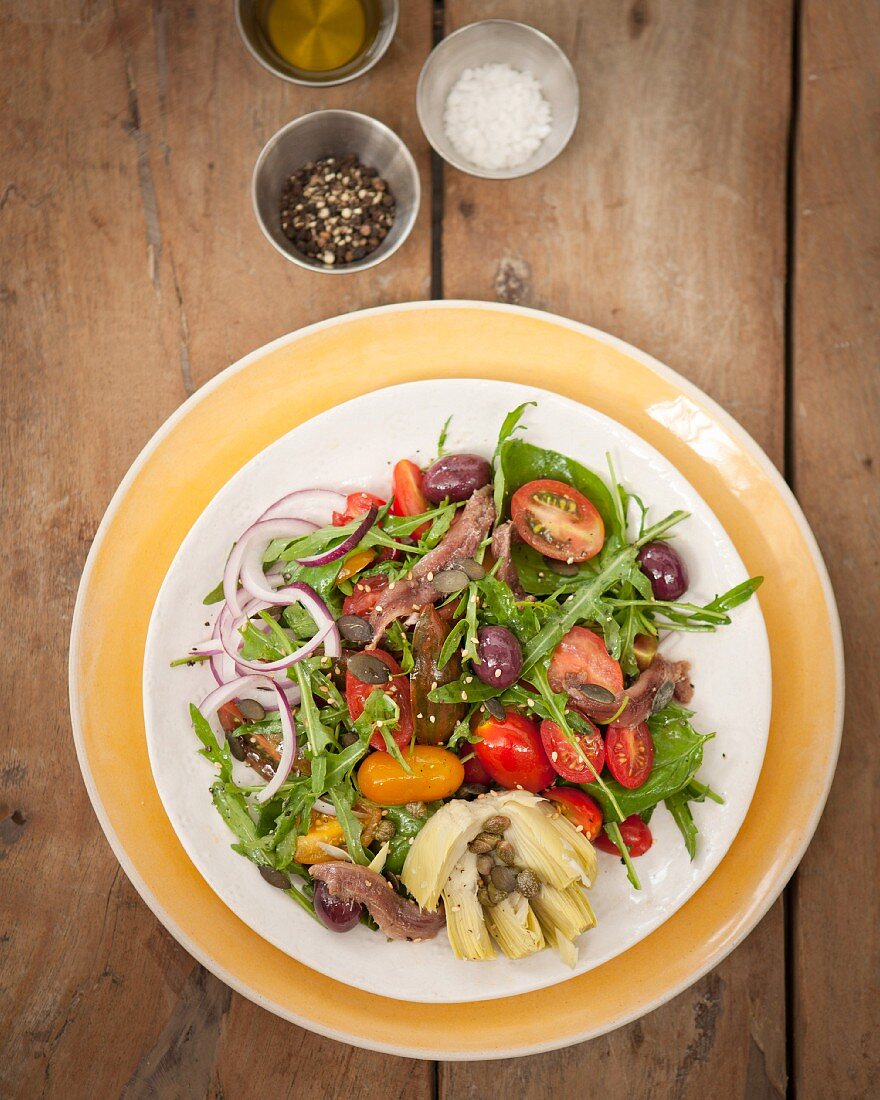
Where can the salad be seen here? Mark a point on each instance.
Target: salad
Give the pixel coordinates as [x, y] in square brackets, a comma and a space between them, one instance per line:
[433, 709]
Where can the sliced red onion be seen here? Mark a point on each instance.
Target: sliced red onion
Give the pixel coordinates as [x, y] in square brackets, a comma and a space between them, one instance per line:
[209, 648]
[332, 850]
[251, 547]
[324, 807]
[343, 548]
[227, 692]
[317, 503]
[288, 749]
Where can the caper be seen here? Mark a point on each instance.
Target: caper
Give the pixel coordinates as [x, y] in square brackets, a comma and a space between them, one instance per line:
[451, 581]
[527, 884]
[496, 825]
[252, 710]
[496, 709]
[495, 895]
[483, 897]
[235, 746]
[563, 568]
[470, 791]
[368, 669]
[385, 830]
[506, 853]
[598, 693]
[482, 843]
[275, 878]
[347, 737]
[663, 696]
[504, 879]
[485, 865]
[416, 809]
[474, 570]
[355, 629]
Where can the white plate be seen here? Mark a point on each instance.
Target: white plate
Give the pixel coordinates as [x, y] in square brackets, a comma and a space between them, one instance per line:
[353, 446]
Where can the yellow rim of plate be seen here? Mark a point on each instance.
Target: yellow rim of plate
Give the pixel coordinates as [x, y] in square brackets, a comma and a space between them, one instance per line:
[279, 386]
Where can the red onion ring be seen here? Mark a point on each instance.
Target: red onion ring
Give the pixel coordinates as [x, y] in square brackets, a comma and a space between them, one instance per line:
[343, 548]
[315, 501]
[259, 534]
[233, 690]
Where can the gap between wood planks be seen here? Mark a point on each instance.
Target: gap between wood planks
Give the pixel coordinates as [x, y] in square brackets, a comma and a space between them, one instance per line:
[790, 894]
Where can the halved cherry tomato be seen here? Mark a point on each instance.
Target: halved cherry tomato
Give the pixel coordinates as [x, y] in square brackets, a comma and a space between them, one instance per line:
[636, 836]
[354, 563]
[357, 693]
[474, 772]
[629, 753]
[563, 756]
[581, 810]
[557, 521]
[367, 593]
[230, 717]
[582, 654]
[356, 504]
[435, 773]
[408, 493]
[512, 753]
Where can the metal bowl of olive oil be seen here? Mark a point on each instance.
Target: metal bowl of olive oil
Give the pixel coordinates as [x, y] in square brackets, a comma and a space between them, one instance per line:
[317, 42]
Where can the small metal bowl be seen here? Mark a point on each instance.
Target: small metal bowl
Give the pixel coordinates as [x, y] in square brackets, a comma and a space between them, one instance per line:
[249, 17]
[329, 134]
[498, 41]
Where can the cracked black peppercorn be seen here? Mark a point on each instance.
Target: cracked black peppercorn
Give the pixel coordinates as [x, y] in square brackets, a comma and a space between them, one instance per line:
[336, 210]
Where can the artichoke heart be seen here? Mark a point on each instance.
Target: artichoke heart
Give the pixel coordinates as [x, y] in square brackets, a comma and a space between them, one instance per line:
[522, 883]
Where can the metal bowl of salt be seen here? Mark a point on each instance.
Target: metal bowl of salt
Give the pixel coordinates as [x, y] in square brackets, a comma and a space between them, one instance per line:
[491, 43]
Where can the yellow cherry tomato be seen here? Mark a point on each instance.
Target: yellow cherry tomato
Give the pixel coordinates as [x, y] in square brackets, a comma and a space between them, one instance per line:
[435, 773]
[354, 563]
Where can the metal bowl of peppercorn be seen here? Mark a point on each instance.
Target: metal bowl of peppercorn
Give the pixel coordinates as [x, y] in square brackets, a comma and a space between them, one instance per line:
[336, 191]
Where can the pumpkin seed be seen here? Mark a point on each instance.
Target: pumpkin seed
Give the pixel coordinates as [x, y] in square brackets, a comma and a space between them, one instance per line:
[473, 569]
[355, 629]
[663, 697]
[368, 669]
[275, 878]
[451, 581]
[506, 853]
[235, 746]
[496, 824]
[504, 879]
[495, 709]
[252, 710]
[598, 693]
[563, 568]
[527, 884]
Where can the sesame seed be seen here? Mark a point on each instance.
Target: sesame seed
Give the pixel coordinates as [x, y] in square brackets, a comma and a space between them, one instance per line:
[430, 576]
[554, 755]
[497, 673]
[468, 679]
[569, 561]
[420, 715]
[464, 696]
[432, 718]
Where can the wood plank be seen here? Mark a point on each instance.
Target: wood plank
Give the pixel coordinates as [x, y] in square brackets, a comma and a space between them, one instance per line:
[134, 271]
[836, 398]
[664, 223]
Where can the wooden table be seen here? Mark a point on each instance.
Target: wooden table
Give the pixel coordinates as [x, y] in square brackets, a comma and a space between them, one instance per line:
[716, 207]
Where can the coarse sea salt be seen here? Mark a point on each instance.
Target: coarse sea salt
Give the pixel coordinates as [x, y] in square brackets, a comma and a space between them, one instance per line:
[496, 116]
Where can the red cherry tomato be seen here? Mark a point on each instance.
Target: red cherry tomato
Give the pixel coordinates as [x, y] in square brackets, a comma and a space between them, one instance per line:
[474, 772]
[356, 504]
[581, 810]
[582, 654]
[629, 753]
[230, 717]
[512, 753]
[563, 756]
[357, 693]
[366, 594]
[636, 836]
[408, 493]
[557, 521]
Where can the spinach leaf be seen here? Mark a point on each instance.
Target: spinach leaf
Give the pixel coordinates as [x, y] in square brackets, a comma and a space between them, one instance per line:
[522, 462]
[678, 753]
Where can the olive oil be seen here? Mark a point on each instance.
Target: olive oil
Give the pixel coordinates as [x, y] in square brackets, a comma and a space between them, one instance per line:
[318, 36]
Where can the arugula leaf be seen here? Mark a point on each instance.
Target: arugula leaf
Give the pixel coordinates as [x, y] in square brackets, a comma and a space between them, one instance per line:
[381, 715]
[677, 804]
[343, 798]
[508, 427]
[317, 734]
[612, 829]
[216, 595]
[451, 644]
[467, 689]
[441, 442]
[233, 809]
[212, 750]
